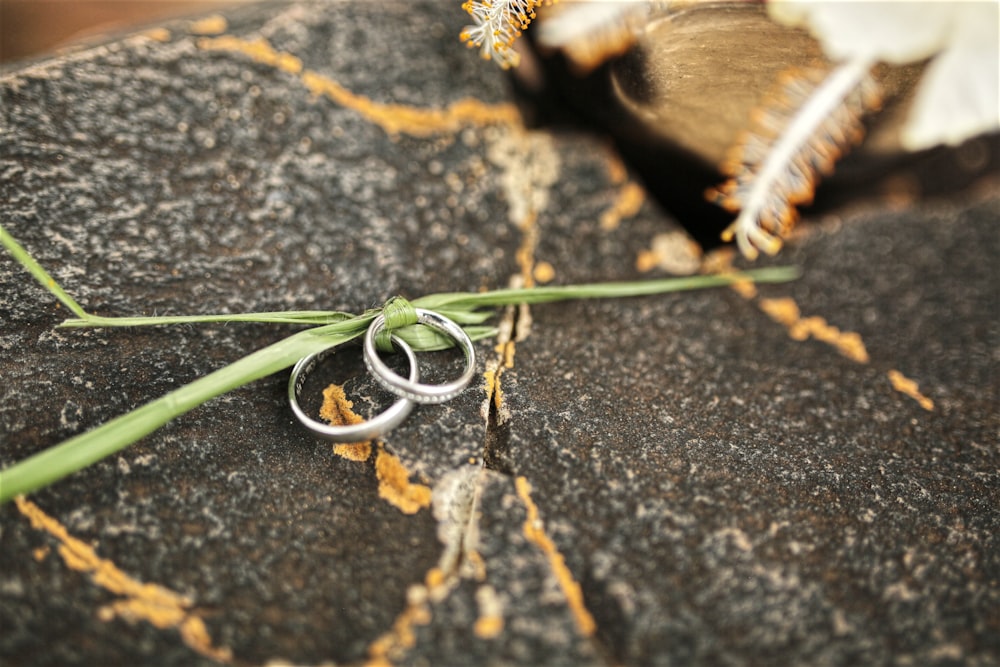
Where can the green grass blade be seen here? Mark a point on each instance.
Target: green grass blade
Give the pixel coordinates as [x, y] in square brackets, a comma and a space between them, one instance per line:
[425, 339]
[81, 451]
[609, 290]
[18, 252]
[306, 317]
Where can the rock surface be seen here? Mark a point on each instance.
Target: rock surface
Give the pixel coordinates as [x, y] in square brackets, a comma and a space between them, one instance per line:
[808, 475]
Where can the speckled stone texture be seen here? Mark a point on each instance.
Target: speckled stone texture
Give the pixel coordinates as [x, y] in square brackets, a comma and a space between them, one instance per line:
[674, 480]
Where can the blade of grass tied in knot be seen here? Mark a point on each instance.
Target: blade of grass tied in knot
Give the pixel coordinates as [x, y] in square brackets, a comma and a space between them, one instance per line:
[327, 329]
[398, 313]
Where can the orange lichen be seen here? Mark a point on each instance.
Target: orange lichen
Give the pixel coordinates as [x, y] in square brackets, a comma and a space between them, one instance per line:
[535, 532]
[354, 451]
[506, 350]
[720, 261]
[337, 410]
[393, 477]
[627, 203]
[403, 119]
[645, 261]
[543, 272]
[158, 34]
[393, 118]
[488, 627]
[617, 171]
[786, 312]
[401, 637]
[435, 578]
[395, 487]
[490, 623]
[215, 24]
[905, 385]
[525, 254]
[151, 603]
[494, 391]
[745, 288]
[477, 564]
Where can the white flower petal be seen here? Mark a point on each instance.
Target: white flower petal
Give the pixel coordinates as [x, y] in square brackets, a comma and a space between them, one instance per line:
[895, 31]
[959, 94]
[580, 20]
[958, 98]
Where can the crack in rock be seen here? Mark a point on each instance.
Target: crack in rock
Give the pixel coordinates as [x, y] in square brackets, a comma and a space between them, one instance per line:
[455, 505]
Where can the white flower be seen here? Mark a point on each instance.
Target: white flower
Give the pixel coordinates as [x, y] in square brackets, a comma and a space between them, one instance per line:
[959, 96]
[498, 23]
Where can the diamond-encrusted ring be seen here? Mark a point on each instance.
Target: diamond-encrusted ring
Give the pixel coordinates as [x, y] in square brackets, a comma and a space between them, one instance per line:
[411, 389]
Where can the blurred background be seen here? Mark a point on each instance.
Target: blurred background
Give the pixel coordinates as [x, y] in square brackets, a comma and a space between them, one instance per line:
[32, 28]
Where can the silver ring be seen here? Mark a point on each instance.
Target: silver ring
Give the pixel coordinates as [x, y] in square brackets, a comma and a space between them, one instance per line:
[365, 430]
[422, 393]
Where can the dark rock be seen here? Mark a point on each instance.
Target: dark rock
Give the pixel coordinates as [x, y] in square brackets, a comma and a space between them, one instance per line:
[669, 480]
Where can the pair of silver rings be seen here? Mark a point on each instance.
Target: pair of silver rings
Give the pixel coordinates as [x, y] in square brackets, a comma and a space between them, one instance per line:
[409, 389]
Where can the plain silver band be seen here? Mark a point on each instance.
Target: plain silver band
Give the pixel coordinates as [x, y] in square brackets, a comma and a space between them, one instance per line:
[422, 393]
[365, 430]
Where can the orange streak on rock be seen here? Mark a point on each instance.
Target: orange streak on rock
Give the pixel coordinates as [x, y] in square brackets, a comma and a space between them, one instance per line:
[393, 118]
[395, 487]
[151, 603]
[534, 530]
[905, 385]
[785, 311]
